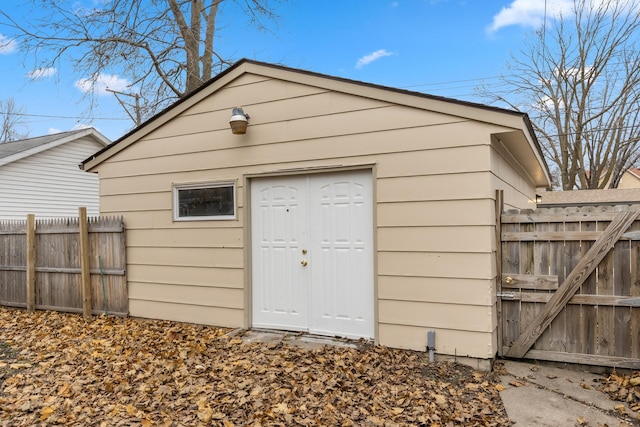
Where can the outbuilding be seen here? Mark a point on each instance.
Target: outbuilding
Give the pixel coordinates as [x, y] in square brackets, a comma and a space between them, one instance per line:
[345, 209]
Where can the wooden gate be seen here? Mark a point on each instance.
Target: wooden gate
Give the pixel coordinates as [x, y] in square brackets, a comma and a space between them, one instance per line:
[570, 288]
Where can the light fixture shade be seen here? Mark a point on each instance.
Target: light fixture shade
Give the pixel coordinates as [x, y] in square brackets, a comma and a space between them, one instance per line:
[239, 121]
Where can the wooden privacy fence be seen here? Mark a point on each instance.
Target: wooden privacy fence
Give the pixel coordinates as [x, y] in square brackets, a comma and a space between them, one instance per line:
[570, 285]
[68, 264]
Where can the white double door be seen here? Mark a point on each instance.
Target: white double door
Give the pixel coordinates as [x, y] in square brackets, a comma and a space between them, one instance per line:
[312, 253]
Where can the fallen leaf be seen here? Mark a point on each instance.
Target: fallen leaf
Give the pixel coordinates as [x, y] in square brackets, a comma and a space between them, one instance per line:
[64, 390]
[205, 414]
[20, 365]
[440, 399]
[500, 387]
[163, 373]
[46, 412]
[281, 408]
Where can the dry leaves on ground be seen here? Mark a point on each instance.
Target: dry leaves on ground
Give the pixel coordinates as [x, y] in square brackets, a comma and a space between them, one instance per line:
[624, 388]
[62, 370]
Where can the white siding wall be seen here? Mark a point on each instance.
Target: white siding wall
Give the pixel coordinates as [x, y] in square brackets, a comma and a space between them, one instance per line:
[50, 184]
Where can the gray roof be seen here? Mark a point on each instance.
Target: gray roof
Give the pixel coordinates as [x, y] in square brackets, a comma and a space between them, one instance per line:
[590, 197]
[11, 148]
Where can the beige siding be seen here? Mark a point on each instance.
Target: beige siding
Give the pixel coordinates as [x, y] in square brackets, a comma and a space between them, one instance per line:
[440, 213]
[425, 314]
[508, 175]
[185, 275]
[455, 239]
[451, 342]
[440, 264]
[436, 290]
[434, 189]
[192, 313]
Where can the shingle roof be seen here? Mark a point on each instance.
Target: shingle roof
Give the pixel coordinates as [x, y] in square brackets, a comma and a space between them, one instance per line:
[590, 197]
[14, 147]
[16, 150]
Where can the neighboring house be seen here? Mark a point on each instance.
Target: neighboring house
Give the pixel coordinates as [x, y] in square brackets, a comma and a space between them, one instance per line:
[41, 175]
[346, 209]
[630, 179]
[606, 197]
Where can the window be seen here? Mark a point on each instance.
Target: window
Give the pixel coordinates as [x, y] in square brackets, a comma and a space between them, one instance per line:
[197, 202]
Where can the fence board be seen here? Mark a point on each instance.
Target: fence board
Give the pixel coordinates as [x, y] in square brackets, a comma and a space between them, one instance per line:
[528, 310]
[554, 337]
[542, 255]
[57, 267]
[13, 249]
[510, 309]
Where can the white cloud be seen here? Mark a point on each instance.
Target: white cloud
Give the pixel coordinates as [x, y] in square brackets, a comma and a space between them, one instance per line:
[528, 13]
[7, 45]
[53, 130]
[101, 83]
[368, 59]
[40, 73]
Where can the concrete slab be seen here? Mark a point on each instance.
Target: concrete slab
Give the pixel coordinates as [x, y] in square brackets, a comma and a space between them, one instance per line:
[299, 339]
[538, 395]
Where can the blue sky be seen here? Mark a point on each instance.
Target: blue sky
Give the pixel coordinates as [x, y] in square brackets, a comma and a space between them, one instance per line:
[441, 47]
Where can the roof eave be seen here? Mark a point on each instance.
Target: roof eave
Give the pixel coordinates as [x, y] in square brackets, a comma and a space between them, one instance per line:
[478, 112]
[55, 143]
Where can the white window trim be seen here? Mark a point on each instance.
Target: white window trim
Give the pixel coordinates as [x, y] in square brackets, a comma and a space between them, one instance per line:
[176, 203]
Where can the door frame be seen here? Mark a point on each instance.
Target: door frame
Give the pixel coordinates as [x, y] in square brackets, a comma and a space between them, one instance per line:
[246, 217]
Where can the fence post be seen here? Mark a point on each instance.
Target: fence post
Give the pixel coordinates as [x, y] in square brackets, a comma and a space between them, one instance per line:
[31, 262]
[499, 208]
[84, 262]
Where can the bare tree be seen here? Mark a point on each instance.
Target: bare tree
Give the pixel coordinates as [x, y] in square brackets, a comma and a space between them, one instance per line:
[165, 48]
[578, 77]
[12, 125]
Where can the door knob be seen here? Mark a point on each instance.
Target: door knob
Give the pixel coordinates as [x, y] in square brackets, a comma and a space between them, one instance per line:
[304, 262]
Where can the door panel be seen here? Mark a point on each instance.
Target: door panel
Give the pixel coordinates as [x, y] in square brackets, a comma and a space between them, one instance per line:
[330, 216]
[279, 290]
[342, 280]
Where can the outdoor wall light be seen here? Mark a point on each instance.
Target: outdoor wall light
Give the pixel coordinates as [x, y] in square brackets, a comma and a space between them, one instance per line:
[239, 121]
[538, 198]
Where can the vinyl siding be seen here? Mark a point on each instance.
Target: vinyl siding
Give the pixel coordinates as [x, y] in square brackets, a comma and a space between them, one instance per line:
[434, 209]
[49, 184]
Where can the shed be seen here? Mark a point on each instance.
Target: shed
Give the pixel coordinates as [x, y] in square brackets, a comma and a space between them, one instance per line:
[40, 175]
[346, 209]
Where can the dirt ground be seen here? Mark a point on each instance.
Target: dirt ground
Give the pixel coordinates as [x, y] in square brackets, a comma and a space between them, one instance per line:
[58, 369]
